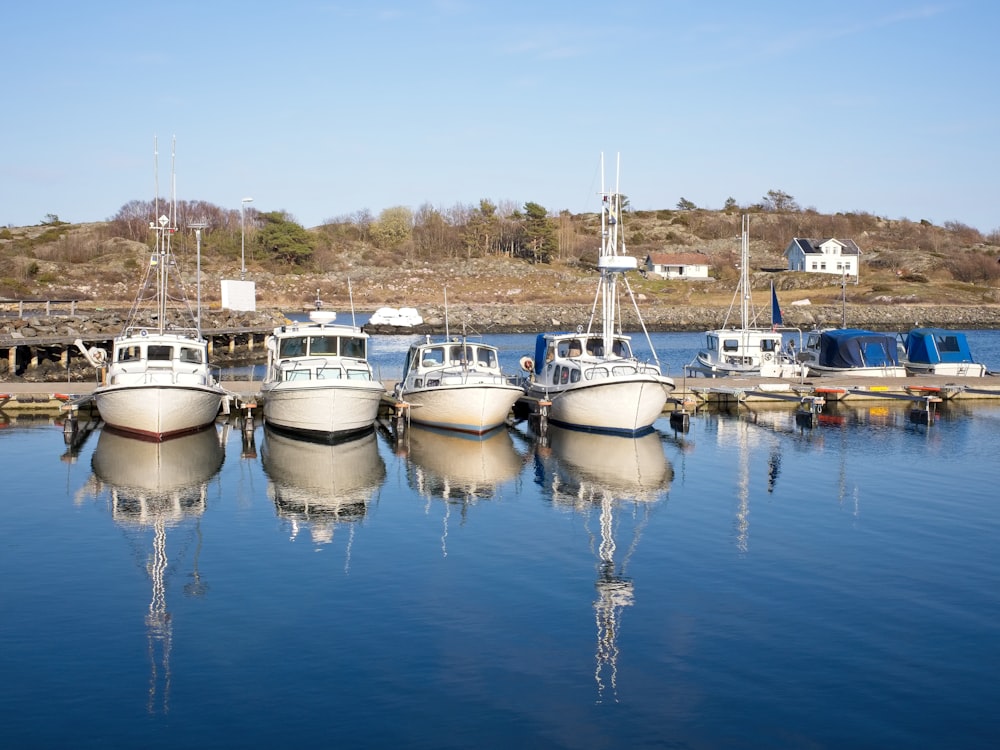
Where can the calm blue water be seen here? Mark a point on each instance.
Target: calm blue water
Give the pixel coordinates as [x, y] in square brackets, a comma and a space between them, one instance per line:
[749, 583]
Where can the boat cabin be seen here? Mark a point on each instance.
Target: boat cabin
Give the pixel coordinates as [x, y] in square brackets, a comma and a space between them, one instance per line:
[319, 355]
[158, 360]
[429, 365]
[747, 347]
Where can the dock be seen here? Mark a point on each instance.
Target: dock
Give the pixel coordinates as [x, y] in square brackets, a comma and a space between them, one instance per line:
[690, 394]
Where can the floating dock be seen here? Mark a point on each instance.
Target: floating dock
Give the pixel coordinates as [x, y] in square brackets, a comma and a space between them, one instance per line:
[690, 393]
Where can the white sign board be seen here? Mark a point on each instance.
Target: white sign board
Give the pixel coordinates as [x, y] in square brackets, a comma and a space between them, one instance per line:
[239, 295]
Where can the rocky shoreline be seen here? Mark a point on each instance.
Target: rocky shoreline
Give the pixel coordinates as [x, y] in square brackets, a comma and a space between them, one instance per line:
[533, 318]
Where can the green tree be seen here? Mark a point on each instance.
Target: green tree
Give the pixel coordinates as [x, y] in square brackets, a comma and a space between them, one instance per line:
[539, 235]
[779, 200]
[685, 205]
[282, 239]
[481, 234]
[730, 205]
[393, 228]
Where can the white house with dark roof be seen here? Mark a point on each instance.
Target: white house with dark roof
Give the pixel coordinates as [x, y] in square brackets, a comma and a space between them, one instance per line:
[677, 265]
[840, 257]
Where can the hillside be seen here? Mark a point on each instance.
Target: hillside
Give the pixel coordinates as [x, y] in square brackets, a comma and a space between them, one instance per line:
[904, 264]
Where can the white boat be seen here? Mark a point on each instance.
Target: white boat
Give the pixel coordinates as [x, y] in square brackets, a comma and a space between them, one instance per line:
[936, 351]
[456, 385]
[319, 382]
[403, 317]
[158, 383]
[592, 378]
[748, 350]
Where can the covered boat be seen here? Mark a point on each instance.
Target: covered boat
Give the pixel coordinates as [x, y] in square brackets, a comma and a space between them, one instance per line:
[936, 351]
[852, 350]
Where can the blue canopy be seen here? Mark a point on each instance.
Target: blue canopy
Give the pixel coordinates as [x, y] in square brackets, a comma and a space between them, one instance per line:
[852, 347]
[932, 346]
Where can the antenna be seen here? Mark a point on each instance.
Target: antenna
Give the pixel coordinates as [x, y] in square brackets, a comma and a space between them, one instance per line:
[197, 227]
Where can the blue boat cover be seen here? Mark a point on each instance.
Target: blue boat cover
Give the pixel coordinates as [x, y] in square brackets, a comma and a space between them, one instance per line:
[935, 345]
[852, 347]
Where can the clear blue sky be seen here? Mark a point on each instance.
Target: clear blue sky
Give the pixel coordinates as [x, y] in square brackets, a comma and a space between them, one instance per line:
[326, 107]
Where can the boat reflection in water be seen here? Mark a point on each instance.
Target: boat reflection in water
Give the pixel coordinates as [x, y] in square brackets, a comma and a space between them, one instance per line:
[459, 468]
[153, 486]
[318, 485]
[620, 478]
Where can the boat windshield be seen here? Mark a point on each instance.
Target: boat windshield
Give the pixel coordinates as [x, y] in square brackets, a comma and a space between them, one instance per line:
[293, 346]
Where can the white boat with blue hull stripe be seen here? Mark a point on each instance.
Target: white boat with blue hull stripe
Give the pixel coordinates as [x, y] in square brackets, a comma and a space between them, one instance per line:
[591, 378]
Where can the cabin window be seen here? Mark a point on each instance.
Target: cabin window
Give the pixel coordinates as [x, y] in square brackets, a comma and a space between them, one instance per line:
[433, 357]
[323, 345]
[595, 347]
[164, 353]
[730, 345]
[294, 346]
[351, 347]
[358, 375]
[328, 373]
[486, 358]
[297, 374]
[128, 353]
[574, 376]
[947, 343]
[768, 345]
[192, 356]
[621, 349]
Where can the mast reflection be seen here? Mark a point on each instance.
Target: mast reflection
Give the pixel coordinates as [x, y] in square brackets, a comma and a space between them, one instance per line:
[317, 486]
[621, 478]
[153, 486]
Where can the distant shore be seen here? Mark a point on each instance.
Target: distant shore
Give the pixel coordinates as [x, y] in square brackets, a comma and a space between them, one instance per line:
[535, 318]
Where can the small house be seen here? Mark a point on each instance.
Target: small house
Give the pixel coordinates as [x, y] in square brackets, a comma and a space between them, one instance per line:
[840, 257]
[677, 265]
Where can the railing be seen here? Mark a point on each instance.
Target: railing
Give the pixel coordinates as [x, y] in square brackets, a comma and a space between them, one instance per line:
[16, 307]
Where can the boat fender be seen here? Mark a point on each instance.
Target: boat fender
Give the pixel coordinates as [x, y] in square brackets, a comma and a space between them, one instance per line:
[527, 364]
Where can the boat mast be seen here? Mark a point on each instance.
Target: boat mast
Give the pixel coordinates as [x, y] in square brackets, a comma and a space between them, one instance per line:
[610, 220]
[745, 273]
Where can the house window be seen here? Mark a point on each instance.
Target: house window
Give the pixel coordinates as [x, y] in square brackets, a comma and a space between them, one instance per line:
[814, 266]
[822, 266]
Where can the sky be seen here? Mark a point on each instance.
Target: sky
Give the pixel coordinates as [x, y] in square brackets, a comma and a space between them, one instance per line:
[325, 108]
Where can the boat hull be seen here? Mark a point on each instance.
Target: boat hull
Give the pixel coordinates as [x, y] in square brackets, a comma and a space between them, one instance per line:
[158, 412]
[626, 405]
[317, 409]
[950, 369]
[471, 407]
[888, 371]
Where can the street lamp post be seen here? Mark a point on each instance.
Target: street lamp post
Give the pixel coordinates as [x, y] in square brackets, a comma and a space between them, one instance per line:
[197, 227]
[243, 258]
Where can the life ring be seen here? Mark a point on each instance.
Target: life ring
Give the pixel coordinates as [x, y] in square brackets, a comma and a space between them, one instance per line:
[527, 364]
[768, 356]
